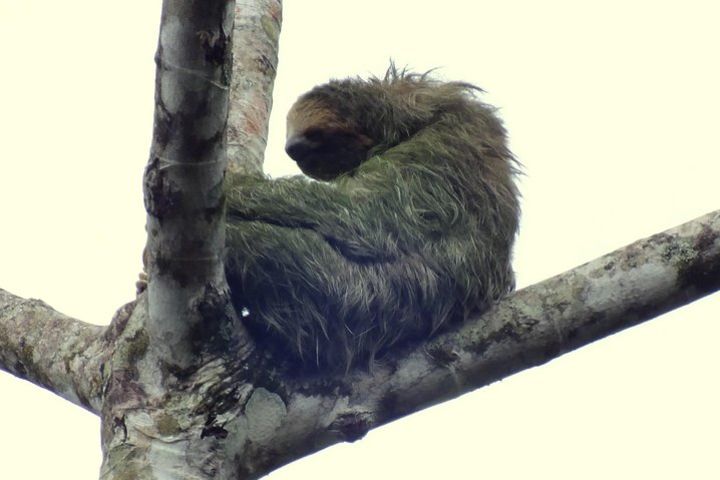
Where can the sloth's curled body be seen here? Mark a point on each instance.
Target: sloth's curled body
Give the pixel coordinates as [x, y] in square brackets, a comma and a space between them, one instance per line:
[409, 227]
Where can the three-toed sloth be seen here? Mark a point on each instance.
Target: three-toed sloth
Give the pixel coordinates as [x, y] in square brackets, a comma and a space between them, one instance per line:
[408, 225]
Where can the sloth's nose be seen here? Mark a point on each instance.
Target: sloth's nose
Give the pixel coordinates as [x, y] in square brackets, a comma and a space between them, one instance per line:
[299, 146]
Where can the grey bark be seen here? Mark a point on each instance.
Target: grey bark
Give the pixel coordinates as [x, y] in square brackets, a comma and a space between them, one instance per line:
[179, 387]
[184, 182]
[255, 57]
[52, 350]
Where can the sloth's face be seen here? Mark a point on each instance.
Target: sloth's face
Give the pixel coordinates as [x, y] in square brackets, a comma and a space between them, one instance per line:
[323, 144]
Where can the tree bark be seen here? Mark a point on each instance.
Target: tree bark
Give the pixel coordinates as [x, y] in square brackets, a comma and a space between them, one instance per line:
[51, 350]
[184, 194]
[255, 58]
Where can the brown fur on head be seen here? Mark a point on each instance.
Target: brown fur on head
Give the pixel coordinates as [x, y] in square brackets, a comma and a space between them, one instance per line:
[324, 144]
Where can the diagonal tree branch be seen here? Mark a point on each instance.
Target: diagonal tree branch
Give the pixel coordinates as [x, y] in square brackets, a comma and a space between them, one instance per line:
[533, 326]
[51, 350]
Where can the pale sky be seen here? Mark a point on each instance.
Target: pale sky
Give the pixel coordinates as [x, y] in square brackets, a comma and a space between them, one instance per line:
[613, 107]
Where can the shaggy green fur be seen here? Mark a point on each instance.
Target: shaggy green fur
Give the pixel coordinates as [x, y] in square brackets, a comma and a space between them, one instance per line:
[334, 273]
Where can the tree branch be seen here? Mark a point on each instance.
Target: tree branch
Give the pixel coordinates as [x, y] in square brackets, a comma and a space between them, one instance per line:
[184, 197]
[255, 58]
[51, 350]
[533, 326]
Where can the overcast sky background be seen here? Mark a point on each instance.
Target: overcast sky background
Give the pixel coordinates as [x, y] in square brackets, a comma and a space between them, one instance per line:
[613, 107]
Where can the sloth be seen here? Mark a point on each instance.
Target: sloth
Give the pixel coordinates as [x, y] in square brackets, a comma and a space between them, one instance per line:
[404, 226]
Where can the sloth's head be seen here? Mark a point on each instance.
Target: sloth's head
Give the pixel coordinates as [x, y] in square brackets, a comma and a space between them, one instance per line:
[335, 127]
[324, 141]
